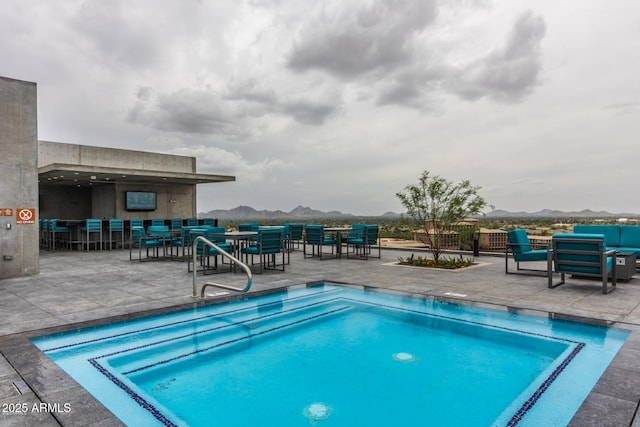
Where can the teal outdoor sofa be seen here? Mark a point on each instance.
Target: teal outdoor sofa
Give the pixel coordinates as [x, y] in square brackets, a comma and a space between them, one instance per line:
[616, 237]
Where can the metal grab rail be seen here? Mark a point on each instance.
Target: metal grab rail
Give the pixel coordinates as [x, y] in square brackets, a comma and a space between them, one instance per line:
[224, 253]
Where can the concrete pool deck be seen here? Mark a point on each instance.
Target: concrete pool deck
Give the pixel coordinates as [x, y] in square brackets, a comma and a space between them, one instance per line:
[77, 289]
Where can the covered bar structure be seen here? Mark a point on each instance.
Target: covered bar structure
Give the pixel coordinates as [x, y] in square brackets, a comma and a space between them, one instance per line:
[79, 181]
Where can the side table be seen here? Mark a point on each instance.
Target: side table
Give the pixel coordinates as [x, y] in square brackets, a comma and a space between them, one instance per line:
[625, 265]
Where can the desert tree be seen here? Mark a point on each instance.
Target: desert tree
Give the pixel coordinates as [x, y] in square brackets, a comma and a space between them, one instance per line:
[437, 204]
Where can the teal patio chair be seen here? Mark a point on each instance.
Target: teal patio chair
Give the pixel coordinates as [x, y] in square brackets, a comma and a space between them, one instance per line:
[248, 226]
[314, 236]
[268, 244]
[373, 239]
[519, 246]
[208, 221]
[140, 240]
[363, 237]
[190, 234]
[92, 226]
[157, 221]
[135, 222]
[295, 234]
[356, 239]
[192, 221]
[284, 230]
[582, 255]
[205, 252]
[185, 240]
[161, 233]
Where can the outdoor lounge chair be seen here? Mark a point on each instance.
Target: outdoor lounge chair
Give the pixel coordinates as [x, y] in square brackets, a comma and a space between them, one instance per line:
[520, 247]
[582, 255]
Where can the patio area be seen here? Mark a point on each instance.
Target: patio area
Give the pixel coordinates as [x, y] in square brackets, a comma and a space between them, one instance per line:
[85, 288]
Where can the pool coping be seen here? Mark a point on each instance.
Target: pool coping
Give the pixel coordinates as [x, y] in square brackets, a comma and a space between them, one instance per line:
[48, 383]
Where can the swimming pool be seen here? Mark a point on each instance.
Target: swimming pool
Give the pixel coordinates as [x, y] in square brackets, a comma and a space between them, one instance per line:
[334, 356]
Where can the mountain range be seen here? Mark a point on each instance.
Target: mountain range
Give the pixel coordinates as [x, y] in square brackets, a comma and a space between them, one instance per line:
[303, 212]
[300, 212]
[551, 213]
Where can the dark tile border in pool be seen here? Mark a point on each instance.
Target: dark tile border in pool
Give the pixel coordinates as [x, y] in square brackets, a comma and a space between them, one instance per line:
[614, 400]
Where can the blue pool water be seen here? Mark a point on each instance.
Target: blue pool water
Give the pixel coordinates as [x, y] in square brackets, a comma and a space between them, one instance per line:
[335, 356]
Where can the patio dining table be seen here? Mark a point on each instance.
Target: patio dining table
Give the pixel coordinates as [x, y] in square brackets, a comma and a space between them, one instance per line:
[338, 231]
[239, 239]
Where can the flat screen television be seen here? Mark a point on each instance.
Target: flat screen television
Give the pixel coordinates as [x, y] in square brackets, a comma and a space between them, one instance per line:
[140, 200]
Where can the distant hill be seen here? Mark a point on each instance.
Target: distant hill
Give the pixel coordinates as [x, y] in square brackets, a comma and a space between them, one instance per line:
[550, 213]
[305, 212]
[300, 212]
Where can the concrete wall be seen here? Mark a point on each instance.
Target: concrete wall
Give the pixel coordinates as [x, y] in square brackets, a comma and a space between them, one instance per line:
[19, 244]
[107, 201]
[172, 201]
[76, 202]
[55, 152]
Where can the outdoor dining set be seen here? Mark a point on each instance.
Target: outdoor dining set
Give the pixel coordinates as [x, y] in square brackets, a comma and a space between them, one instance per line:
[209, 248]
[267, 247]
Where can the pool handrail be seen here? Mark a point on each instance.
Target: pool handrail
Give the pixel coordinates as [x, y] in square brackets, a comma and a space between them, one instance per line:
[224, 253]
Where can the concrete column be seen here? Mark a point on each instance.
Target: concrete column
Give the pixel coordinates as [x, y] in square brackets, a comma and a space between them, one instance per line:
[19, 231]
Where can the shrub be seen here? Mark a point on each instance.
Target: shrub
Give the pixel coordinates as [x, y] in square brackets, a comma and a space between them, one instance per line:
[443, 262]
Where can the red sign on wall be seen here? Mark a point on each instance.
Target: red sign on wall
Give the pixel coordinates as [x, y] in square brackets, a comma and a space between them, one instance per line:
[25, 216]
[6, 211]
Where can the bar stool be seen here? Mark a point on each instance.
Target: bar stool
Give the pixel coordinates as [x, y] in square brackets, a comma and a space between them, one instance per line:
[116, 225]
[92, 226]
[157, 221]
[55, 228]
[44, 233]
[176, 223]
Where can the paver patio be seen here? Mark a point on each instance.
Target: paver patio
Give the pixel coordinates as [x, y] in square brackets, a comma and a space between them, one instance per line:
[83, 288]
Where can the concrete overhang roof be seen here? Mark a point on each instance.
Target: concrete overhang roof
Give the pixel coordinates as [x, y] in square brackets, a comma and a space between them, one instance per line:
[84, 176]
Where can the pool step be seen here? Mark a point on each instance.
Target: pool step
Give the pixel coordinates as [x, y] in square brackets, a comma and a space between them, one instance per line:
[219, 336]
[152, 330]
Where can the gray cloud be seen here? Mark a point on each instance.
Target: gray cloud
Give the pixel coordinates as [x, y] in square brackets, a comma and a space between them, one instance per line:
[309, 112]
[116, 33]
[413, 88]
[509, 73]
[205, 112]
[376, 36]
[260, 101]
[187, 111]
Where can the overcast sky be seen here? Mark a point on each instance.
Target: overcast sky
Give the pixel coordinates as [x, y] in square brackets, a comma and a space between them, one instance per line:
[338, 105]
